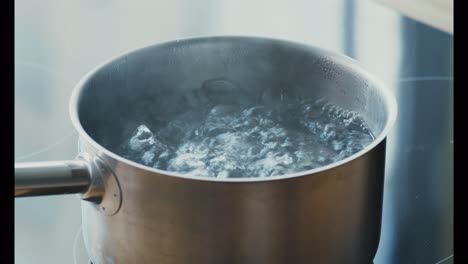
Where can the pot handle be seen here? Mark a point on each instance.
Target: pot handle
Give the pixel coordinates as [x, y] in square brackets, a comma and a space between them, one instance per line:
[51, 177]
[87, 176]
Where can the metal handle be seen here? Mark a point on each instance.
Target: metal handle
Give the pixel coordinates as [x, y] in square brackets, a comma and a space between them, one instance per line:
[87, 176]
[50, 178]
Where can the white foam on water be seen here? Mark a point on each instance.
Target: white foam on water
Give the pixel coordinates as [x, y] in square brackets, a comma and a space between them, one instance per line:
[231, 141]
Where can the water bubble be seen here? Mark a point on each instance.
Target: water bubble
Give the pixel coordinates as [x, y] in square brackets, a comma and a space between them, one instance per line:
[228, 140]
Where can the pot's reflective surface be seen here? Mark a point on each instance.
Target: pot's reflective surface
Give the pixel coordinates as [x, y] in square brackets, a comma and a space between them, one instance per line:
[330, 214]
[330, 217]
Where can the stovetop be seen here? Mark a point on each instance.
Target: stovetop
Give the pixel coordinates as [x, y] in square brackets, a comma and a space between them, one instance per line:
[57, 42]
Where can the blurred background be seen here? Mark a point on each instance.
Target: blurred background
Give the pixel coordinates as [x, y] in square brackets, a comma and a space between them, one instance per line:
[58, 41]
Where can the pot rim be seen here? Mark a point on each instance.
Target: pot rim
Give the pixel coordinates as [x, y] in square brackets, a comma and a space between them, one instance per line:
[390, 100]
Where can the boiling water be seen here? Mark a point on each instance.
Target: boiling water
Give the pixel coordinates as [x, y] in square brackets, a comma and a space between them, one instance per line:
[227, 141]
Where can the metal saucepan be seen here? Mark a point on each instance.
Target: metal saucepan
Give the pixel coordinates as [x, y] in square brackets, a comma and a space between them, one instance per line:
[137, 214]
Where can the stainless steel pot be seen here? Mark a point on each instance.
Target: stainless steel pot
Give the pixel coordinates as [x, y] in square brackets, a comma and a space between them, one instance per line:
[136, 214]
